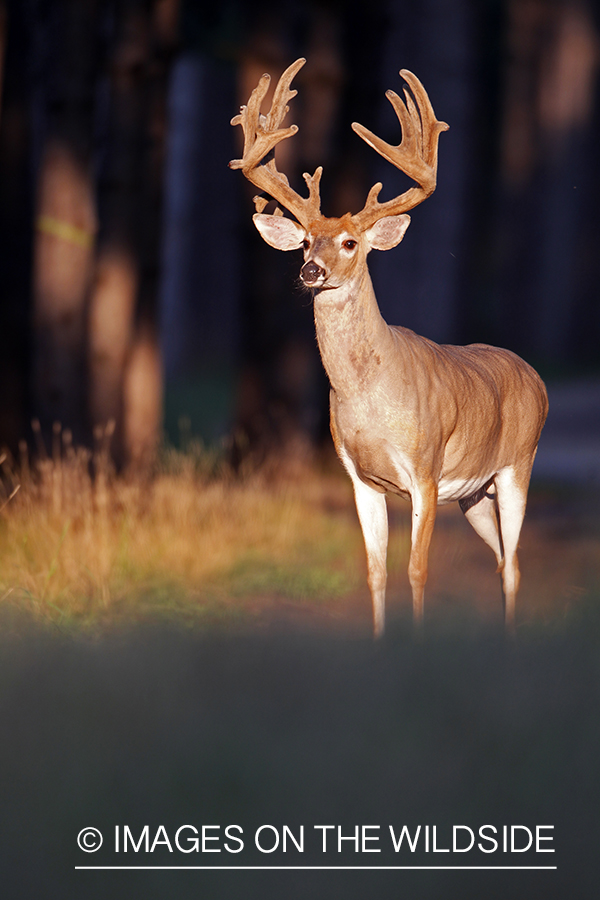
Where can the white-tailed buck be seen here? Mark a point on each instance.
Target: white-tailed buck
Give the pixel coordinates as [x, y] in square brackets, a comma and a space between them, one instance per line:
[408, 416]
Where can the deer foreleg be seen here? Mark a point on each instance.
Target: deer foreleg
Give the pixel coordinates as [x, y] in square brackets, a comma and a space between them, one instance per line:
[372, 513]
[424, 507]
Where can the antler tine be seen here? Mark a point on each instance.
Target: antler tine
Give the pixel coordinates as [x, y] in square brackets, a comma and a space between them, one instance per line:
[313, 204]
[416, 155]
[431, 147]
[261, 136]
[283, 95]
[250, 114]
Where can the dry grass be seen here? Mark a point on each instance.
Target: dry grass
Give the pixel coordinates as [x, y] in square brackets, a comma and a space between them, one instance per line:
[82, 547]
[87, 548]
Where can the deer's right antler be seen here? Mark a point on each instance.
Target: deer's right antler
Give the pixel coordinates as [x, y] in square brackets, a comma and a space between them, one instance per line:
[261, 136]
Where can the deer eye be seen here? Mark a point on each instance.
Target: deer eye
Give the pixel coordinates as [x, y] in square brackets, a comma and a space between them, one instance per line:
[349, 244]
[306, 243]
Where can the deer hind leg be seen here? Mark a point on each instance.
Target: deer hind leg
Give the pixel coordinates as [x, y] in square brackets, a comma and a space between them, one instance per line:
[481, 511]
[424, 508]
[372, 514]
[511, 489]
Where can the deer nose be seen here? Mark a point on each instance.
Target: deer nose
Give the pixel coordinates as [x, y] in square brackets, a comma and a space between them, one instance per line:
[311, 272]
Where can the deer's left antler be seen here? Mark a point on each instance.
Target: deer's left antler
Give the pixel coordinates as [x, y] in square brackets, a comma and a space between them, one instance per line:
[416, 155]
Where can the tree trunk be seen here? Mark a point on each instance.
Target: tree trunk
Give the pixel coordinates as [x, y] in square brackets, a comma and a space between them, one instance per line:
[15, 225]
[65, 208]
[125, 364]
[548, 165]
[3, 39]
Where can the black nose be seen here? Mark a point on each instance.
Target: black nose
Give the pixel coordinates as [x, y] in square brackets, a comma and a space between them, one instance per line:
[311, 272]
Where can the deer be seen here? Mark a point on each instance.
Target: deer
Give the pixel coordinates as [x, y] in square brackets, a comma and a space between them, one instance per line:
[432, 423]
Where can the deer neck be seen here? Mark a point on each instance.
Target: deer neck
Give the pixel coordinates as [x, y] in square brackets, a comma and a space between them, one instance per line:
[352, 334]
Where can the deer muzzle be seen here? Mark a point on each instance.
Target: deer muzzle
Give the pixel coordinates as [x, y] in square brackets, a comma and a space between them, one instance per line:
[310, 273]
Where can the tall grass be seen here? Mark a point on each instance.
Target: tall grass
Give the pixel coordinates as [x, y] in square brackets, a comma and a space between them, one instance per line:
[81, 544]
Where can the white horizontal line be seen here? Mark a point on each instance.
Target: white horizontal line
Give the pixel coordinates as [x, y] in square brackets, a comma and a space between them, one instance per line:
[322, 868]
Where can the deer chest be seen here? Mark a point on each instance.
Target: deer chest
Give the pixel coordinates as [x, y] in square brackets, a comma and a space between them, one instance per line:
[377, 445]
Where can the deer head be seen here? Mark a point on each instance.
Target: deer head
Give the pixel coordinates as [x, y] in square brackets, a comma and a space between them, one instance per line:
[335, 250]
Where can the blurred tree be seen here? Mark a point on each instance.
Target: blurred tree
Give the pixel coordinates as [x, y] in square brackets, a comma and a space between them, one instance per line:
[200, 322]
[546, 299]
[125, 359]
[3, 30]
[101, 70]
[15, 222]
[66, 44]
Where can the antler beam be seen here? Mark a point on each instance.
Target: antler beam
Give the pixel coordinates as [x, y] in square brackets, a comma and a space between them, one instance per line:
[261, 136]
[416, 155]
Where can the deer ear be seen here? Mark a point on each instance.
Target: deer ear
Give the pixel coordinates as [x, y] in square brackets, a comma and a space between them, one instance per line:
[387, 232]
[279, 232]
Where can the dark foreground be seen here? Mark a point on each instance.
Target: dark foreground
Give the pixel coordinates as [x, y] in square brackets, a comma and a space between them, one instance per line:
[164, 728]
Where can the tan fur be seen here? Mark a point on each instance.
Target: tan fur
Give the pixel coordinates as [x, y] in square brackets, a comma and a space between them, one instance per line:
[428, 422]
[433, 423]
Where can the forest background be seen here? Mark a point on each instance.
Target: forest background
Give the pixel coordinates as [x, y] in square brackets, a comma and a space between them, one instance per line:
[185, 625]
[134, 288]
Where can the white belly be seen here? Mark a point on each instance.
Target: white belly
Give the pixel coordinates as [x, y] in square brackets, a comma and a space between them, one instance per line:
[450, 489]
